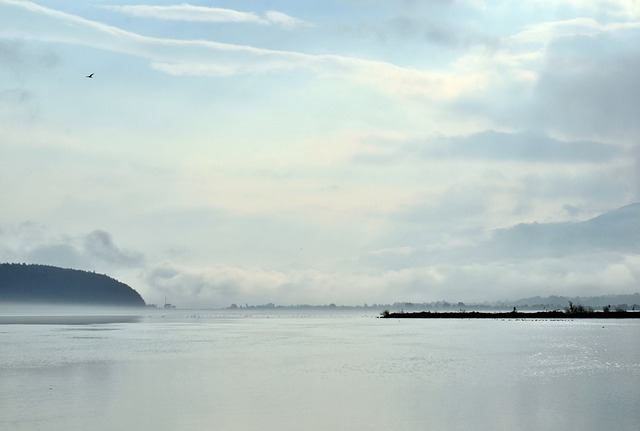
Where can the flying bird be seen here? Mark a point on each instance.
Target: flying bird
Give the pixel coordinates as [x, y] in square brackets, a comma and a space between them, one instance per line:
[89, 76]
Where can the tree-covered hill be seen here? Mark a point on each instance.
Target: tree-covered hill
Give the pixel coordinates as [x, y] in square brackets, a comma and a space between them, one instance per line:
[51, 285]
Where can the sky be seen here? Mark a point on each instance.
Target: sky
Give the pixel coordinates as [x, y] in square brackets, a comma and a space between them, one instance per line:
[346, 151]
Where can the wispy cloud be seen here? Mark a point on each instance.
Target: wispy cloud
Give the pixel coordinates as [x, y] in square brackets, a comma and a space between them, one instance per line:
[285, 20]
[545, 33]
[202, 58]
[186, 57]
[187, 12]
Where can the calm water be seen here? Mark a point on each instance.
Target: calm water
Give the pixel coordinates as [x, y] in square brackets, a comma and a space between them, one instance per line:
[311, 371]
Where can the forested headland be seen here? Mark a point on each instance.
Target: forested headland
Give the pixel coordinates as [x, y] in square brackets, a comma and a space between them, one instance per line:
[42, 284]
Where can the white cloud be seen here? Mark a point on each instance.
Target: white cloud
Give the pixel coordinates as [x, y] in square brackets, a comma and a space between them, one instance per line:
[545, 33]
[284, 20]
[187, 12]
[570, 79]
[199, 57]
[469, 282]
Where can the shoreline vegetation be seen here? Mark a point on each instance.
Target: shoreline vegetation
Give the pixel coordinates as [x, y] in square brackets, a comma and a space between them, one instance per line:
[629, 302]
[573, 311]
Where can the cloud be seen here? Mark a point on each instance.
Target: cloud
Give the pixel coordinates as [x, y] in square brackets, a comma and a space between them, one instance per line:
[580, 275]
[284, 20]
[99, 245]
[616, 233]
[482, 83]
[174, 56]
[217, 285]
[546, 33]
[464, 175]
[570, 78]
[187, 12]
[522, 146]
[582, 258]
[590, 89]
[32, 243]
[221, 286]
[62, 255]
[202, 58]
[577, 258]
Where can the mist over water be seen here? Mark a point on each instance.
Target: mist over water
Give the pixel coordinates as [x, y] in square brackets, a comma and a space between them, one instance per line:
[69, 314]
[344, 370]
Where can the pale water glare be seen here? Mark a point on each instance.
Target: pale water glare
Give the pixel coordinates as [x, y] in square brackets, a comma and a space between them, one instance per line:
[298, 370]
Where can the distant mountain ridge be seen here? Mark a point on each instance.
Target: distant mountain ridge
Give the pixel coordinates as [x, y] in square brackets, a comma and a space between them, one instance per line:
[616, 231]
[52, 285]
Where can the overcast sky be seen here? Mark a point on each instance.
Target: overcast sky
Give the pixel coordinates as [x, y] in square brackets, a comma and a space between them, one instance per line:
[343, 151]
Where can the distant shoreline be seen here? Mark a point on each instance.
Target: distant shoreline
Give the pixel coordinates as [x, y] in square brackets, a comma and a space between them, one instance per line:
[512, 315]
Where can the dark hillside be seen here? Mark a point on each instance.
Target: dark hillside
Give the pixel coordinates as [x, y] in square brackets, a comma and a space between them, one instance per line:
[52, 285]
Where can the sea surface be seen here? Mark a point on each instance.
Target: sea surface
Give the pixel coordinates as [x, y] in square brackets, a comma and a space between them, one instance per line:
[297, 370]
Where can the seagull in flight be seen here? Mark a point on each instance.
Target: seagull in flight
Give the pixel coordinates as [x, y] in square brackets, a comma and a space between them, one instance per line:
[89, 76]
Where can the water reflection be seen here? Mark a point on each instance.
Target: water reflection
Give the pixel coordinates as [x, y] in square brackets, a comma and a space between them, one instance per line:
[175, 372]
